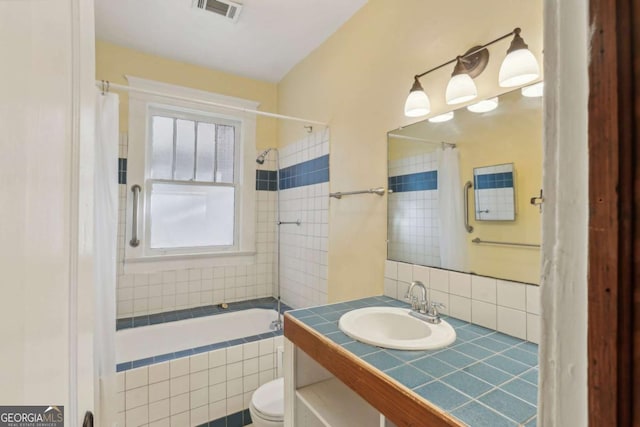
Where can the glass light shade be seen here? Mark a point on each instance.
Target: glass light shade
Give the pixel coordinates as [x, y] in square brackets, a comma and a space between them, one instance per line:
[461, 88]
[519, 67]
[533, 91]
[442, 117]
[484, 106]
[417, 104]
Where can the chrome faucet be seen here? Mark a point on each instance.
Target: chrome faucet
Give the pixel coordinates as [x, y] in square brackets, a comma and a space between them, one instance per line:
[416, 304]
[423, 309]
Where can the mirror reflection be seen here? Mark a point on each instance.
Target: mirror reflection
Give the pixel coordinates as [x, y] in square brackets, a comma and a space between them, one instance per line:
[487, 227]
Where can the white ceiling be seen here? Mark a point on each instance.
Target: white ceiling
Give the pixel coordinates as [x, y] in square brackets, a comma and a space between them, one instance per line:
[270, 37]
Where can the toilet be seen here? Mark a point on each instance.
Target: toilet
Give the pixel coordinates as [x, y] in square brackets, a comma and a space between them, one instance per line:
[267, 404]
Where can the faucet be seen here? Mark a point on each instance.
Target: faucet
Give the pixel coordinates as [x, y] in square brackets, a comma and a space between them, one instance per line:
[417, 305]
[423, 309]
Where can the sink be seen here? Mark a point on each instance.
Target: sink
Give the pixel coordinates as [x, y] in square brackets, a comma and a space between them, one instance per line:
[393, 327]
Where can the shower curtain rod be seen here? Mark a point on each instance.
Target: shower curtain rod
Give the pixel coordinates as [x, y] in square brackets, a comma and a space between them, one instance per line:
[413, 138]
[106, 86]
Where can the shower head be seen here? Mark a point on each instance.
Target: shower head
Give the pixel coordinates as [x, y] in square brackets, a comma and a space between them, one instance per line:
[260, 159]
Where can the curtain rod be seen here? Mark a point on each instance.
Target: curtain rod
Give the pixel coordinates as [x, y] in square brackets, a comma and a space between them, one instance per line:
[413, 138]
[108, 85]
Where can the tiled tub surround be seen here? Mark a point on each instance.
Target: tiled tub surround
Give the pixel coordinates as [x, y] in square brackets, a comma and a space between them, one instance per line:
[304, 196]
[509, 307]
[485, 378]
[413, 221]
[174, 289]
[210, 388]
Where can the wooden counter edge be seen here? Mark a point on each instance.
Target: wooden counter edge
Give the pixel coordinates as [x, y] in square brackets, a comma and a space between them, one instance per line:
[395, 401]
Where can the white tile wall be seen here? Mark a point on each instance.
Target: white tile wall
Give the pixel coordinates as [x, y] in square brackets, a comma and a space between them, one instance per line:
[140, 294]
[509, 307]
[304, 259]
[193, 390]
[413, 223]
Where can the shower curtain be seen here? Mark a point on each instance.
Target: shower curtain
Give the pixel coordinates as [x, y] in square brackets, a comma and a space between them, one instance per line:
[453, 245]
[105, 248]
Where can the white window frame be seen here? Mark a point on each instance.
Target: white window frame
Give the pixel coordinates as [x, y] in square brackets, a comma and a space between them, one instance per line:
[141, 106]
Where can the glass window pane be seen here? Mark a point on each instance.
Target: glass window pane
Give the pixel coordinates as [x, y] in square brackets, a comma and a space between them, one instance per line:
[206, 152]
[184, 215]
[225, 138]
[161, 147]
[185, 149]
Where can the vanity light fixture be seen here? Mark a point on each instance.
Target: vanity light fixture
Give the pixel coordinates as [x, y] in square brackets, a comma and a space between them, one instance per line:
[535, 90]
[442, 117]
[518, 68]
[484, 106]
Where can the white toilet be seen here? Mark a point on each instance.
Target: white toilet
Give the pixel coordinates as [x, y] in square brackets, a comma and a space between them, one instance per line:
[267, 404]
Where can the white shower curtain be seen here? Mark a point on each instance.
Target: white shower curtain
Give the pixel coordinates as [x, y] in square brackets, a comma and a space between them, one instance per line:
[453, 245]
[105, 248]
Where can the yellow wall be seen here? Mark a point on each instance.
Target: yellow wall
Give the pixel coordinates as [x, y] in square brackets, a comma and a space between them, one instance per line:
[113, 62]
[358, 81]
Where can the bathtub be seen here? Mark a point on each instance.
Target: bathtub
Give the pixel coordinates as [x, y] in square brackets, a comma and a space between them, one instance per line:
[172, 337]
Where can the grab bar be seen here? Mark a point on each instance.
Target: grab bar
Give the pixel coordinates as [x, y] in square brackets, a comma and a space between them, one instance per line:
[134, 242]
[379, 191]
[296, 222]
[467, 226]
[491, 242]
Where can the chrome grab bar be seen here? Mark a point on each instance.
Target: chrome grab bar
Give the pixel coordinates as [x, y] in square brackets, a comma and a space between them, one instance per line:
[134, 242]
[478, 241]
[379, 191]
[467, 226]
[296, 222]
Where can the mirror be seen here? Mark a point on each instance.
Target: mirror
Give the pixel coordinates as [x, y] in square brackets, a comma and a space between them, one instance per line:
[500, 154]
[494, 193]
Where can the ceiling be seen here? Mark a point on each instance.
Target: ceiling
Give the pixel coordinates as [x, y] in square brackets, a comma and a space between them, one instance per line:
[269, 38]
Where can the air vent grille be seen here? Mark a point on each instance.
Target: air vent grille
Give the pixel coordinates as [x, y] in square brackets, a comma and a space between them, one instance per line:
[225, 8]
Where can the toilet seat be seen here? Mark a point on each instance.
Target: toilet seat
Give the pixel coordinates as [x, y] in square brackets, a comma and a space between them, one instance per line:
[268, 400]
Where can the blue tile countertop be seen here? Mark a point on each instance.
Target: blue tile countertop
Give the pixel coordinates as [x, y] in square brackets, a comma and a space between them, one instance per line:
[485, 378]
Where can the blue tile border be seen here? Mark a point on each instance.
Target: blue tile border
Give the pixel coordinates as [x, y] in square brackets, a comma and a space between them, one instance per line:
[198, 312]
[314, 171]
[266, 180]
[122, 170]
[420, 181]
[463, 378]
[493, 180]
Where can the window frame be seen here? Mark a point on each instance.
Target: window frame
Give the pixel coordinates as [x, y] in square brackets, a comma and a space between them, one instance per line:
[141, 107]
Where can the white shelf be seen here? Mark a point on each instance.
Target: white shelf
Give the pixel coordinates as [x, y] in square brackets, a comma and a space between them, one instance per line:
[336, 405]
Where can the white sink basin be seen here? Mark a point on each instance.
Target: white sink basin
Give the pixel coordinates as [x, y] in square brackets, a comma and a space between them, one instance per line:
[392, 327]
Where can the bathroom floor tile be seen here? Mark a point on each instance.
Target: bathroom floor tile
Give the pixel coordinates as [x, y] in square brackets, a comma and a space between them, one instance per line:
[466, 383]
[514, 408]
[488, 373]
[477, 415]
[522, 389]
[409, 376]
[382, 360]
[490, 344]
[433, 366]
[442, 395]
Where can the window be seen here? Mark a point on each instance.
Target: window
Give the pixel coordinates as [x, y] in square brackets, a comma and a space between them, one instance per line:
[195, 164]
[192, 181]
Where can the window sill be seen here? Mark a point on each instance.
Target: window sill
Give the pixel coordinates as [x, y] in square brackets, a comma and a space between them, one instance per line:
[154, 264]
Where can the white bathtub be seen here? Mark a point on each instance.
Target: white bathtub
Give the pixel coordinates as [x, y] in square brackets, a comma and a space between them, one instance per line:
[170, 337]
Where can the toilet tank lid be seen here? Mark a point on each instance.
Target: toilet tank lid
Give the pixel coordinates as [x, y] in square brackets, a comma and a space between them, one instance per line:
[269, 398]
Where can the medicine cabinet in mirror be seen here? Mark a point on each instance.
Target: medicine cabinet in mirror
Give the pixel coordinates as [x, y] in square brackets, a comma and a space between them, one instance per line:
[499, 154]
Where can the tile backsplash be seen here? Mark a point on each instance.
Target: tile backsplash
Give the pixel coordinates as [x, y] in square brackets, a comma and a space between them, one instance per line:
[509, 307]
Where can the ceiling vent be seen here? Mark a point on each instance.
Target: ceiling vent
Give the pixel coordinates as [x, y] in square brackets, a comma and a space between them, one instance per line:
[228, 9]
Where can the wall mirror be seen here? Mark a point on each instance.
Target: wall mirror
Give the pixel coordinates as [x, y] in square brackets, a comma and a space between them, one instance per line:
[494, 193]
[499, 152]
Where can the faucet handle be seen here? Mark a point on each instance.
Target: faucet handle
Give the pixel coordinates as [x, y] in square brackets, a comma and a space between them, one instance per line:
[434, 306]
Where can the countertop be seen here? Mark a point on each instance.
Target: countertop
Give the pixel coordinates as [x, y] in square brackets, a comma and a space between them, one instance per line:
[485, 378]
